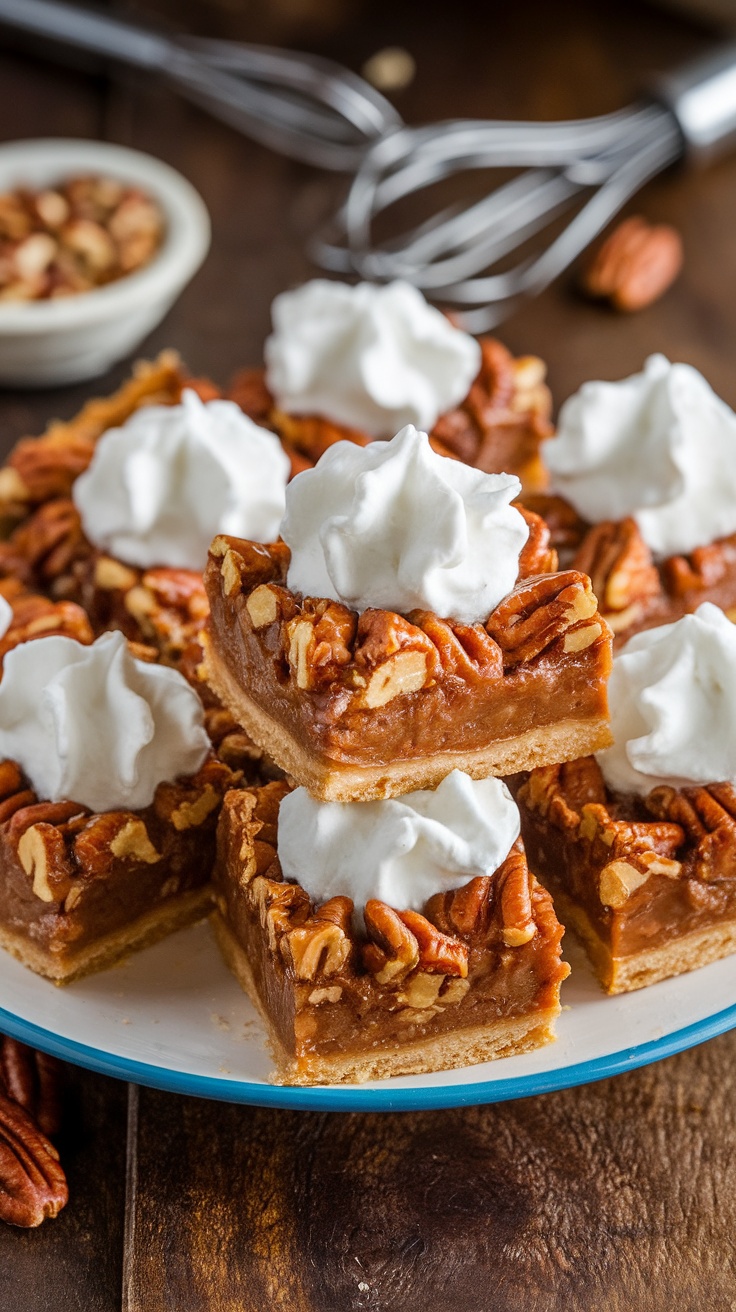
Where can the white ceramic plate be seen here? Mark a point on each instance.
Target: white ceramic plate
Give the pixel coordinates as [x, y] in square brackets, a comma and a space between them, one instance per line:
[173, 1017]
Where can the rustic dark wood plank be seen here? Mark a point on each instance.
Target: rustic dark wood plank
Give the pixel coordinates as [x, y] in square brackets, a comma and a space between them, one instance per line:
[75, 1262]
[617, 1196]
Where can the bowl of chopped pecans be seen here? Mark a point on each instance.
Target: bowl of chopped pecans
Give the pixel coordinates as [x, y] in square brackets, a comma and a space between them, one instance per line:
[96, 243]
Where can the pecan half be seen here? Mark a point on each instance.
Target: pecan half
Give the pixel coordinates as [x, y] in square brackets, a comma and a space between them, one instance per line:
[635, 265]
[622, 572]
[32, 1183]
[537, 556]
[33, 1079]
[541, 610]
[393, 949]
[438, 953]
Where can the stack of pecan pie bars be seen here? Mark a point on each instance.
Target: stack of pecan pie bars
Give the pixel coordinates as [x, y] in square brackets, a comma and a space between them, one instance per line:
[355, 706]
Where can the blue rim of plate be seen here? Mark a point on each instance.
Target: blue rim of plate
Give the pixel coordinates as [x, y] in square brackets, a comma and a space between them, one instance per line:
[354, 1098]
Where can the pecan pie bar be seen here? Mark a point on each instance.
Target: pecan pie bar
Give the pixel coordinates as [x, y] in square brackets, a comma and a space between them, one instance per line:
[648, 883]
[634, 591]
[476, 976]
[45, 545]
[78, 890]
[372, 705]
[499, 427]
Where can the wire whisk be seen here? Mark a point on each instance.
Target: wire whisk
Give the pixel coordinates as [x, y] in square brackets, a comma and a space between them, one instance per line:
[322, 114]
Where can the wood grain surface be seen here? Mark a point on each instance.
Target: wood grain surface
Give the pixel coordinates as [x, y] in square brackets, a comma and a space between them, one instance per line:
[617, 1196]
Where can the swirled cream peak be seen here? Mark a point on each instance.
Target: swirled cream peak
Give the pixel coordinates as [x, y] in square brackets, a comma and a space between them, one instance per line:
[374, 358]
[174, 476]
[659, 446]
[401, 851]
[6, 616]
[93, 725]
[396, 526]
[672, 697]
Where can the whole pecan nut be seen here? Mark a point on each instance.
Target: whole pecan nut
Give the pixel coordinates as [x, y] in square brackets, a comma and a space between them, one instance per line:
[32, 1182]
[33, 1079]
[635, 265]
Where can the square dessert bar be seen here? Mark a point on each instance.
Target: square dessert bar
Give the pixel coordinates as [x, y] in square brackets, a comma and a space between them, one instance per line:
[648, 883]
[634, 591]
[78, 891]
[499, 427]
[372, 705]
[45, 546]
[476, 976]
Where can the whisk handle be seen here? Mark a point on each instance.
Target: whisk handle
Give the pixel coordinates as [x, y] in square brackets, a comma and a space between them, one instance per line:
[98, 33]
[702, 97]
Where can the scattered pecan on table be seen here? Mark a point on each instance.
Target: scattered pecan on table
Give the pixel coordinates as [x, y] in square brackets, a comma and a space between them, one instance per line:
[32, 1181]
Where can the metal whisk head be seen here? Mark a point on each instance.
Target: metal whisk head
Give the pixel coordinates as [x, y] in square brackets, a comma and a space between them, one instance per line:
[591, 166]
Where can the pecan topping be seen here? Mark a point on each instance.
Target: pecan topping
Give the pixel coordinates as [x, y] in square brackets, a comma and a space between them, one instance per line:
[281, 906]
[466, 650]
[393, 656]
[32, 1183]
[541, 610]
[34, 1080]
[635, 265]
[708, 817]
[622, 572]
[320, 642]
[516, 902]
[322, 945]
[438, 952]
[393, 949]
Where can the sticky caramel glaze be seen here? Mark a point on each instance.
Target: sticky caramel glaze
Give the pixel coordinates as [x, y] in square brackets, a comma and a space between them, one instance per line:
[505, 983]
[450, 713]
[661, 910]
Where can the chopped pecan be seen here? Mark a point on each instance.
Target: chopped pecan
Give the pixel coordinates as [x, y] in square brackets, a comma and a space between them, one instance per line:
[636, 264]
[43, 855]
[268, 603]
[392, 656]
[541, 610]
[622, 572]
[320, 642]
[33, 1079]
[281, 906]
[323, 944]
[32, 1183]
[313, 434]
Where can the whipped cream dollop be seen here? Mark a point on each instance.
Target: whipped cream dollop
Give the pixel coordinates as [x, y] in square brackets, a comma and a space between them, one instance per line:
[6, 616]
[395, 525]
[93, 725]
[174, 476]
[672, 697]
[660, 446]
[400, 851]
[374, 358]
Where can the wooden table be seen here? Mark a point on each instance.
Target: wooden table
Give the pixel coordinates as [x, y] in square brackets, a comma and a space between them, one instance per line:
[621, 1195]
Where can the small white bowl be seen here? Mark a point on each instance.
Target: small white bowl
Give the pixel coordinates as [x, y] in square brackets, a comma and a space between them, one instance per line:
[44, 343]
